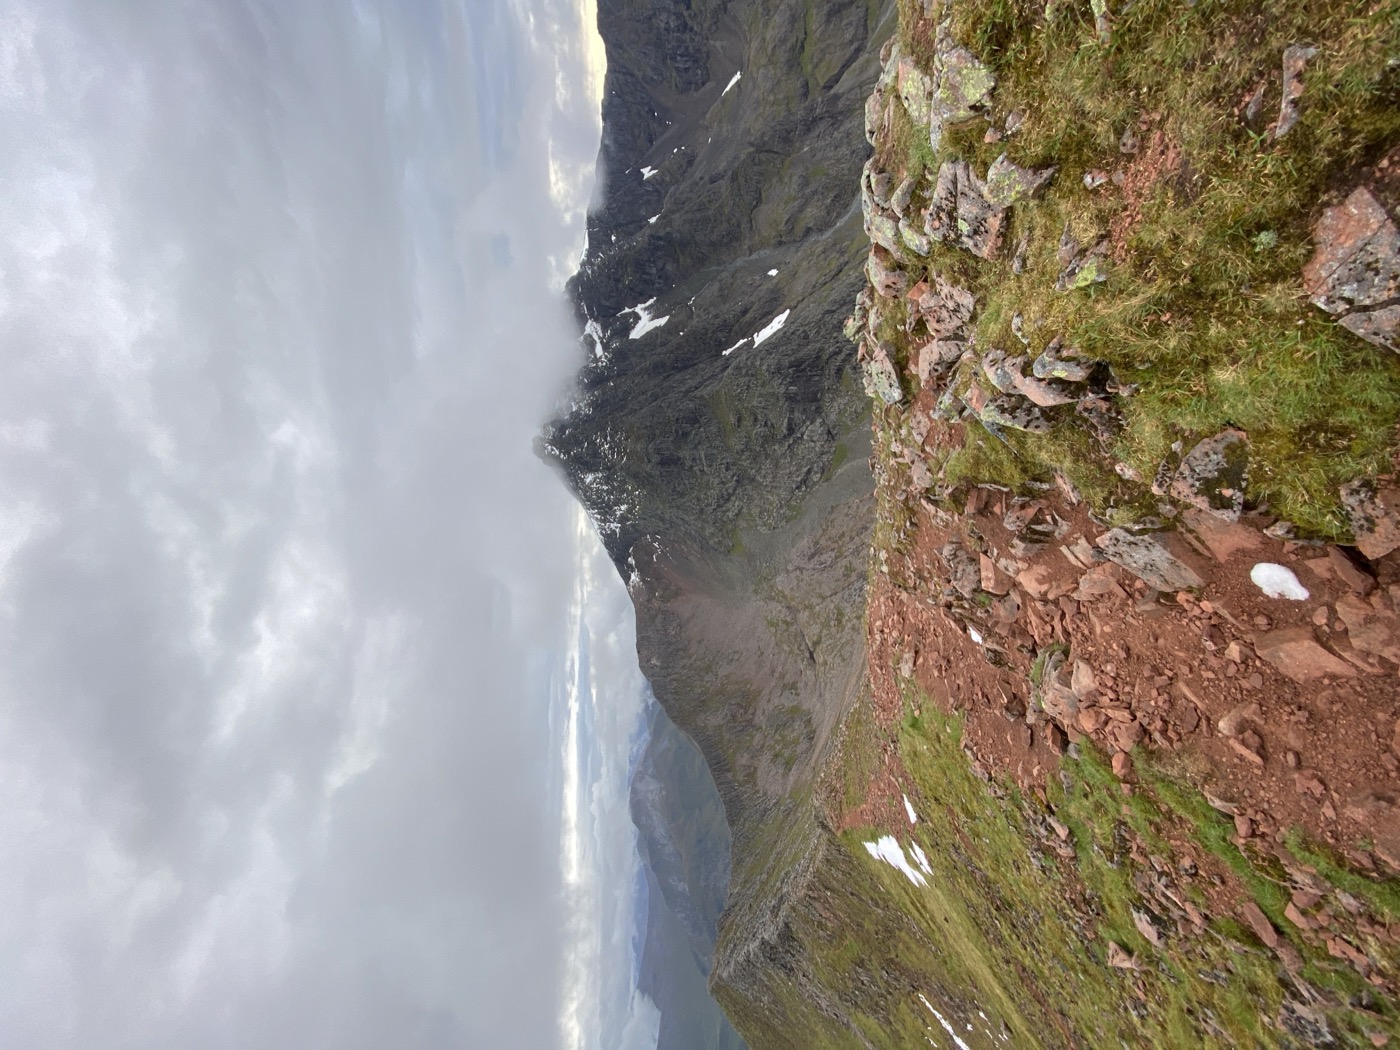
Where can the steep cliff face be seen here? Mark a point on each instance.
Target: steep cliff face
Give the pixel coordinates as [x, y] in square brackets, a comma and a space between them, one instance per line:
[720, 436]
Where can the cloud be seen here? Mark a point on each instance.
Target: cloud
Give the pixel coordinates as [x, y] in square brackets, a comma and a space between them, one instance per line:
[280, 579]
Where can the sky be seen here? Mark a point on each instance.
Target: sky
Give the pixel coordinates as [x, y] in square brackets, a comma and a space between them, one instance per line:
[316, 692]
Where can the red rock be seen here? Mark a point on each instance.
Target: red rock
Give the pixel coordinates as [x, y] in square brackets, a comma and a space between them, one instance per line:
[1252, 757]
[1222, 538]
[1231, 723]
[1260, 924]
[1295, 652]
[1363, 583]
[1293, 914]
[1372, 630]
[1035, 580]
[1091, 720]
[994, 581]
[1122, 764]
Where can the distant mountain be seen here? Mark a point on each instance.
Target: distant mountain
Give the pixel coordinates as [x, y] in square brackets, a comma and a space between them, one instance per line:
[720, 438]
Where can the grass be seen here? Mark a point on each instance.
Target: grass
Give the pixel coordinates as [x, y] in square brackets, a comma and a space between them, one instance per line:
[1202, 308]
[1009, 939]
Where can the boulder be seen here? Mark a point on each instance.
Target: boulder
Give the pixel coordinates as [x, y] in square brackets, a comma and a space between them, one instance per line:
[959, 213]
[915, 90]
[945, 308]
[1371, 627]
[1147, 559]
[1213, 475]
[885, 277]
[961, 87]
[1355, 268]
[884, 231]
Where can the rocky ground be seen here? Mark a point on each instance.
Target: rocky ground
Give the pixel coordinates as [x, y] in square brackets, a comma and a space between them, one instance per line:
[1077, 569]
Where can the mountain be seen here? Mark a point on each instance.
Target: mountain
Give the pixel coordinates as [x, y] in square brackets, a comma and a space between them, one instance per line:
[720, 435]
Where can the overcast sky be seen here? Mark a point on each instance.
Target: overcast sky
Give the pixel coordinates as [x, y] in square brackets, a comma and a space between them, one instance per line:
[284, 595]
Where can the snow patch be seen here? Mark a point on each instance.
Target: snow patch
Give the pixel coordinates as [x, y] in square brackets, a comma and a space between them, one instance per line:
[1278, 582]
[909, 809]
[647, 172]
[593, 330]
[645, 322]
[975, 635]
[920, 858]
[771, 327]
[654, 218]
[732, 81]
[772, 273]
[952, 1032]
[888, 850]
[736, 346]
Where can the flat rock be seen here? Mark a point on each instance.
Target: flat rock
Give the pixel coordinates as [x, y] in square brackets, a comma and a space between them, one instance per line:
[1224, 539]
[936, 357]
[885, 277]
[1259, 923]
[1355, 269]
[1213, 475]
[1296, 653]
[945, 308]
[1007, 183]
[1375, 516]
[1147, 559]
[960, 214]
[1372, 629]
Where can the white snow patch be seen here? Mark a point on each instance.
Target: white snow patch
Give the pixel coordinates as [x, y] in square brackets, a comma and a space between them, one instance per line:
[654, 218]
[975, 635]
[952, 1032]
[909, 809]
[647, 172]
[732, 81]
[888, 850]
[593, 330]
[736, 346]
[1278, 582]
[772, 273]
[920, 858]
[645, 322]
[771, 327]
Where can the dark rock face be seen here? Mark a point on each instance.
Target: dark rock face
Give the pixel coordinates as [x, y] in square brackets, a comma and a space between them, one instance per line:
[727, 473]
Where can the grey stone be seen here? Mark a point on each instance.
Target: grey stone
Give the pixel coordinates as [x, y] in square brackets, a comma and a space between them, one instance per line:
[959, 212]
[1013, 412]
[1375, 516]
[914, 238]
[882, 378]
[945, 308]
[1084, 269]
[1295, 59]
[1147, 559]
[884, 231]
[961, 86]
[899, 199]
[885, 277]
[1355, 269]
[1213, 475]
[1054, 363]
[915, 90]
[1009, 183]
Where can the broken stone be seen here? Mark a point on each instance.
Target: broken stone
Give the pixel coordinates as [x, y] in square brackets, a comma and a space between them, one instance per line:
[1054, 363]
[1213, 475]
[885, 276]
[1295, 58]
[1120, 959]
[1297, 654]
[1355, 269]
[1231, 723]
[961, 86]
[1259, 923]
[1035, 580]
[1014, 413]
[960, 214]
[884, 231]
[1083, 683]
[1128, 142]
[915, 89]
[1122, 765]
[1009, 183]
[882, 378]
[1370, 629]
[1084, 269]
[1094, 179]
[1375, 516]
[1362, 583]
[1149, 929]
[964, 572]
[1147, 559]
[1222, 538]
[945, 308]
[994, 581]
[914, 238]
